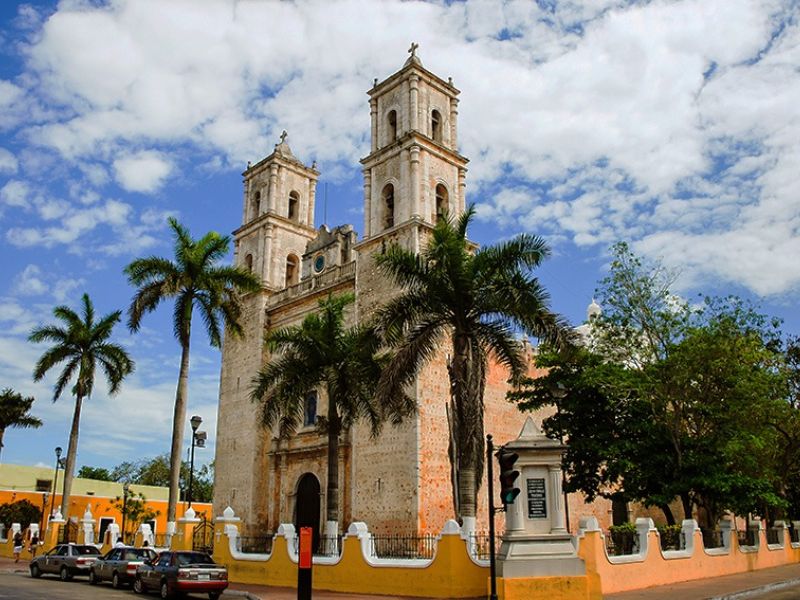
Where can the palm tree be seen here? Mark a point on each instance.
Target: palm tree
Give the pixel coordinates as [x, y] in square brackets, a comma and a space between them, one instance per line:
[82, 343]
[321, 353]
[14, 409]
[195, 280]
[477, 301]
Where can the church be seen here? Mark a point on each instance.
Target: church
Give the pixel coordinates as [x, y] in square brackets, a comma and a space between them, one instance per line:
[398, 482]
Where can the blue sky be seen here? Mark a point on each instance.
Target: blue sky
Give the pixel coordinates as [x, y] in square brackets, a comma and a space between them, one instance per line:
[672, 125]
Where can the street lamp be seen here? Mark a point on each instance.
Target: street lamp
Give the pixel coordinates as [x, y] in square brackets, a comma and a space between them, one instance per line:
[125, 489]
[55, 480]
[195, 422]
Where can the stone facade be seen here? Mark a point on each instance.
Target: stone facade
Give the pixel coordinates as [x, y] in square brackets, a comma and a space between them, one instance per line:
[398, 482]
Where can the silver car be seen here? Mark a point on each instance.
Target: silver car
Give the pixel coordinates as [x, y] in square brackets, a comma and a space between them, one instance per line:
[66, 560]
[119, 565]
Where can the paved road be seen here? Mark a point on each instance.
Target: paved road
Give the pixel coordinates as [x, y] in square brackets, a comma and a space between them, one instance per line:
[20, 586]
[790, 593]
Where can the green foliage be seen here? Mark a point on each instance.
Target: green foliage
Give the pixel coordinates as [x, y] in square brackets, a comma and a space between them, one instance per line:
[624, 528]
[136, 511]
[670, 536]
[669, 400]
[473, 304]
[14, 412]
[155, 471]
[194, 280]
[22, 512]
[344, 363]
[96, 473]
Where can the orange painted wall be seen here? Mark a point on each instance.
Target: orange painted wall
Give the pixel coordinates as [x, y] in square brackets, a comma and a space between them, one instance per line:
[654, 569]
[100, 506]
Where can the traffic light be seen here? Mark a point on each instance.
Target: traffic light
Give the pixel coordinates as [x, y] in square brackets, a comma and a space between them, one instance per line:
[508, 475]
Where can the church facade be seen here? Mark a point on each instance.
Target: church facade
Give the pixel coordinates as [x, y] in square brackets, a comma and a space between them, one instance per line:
[398, 482]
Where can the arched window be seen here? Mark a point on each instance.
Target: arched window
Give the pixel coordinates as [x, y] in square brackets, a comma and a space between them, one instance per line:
[436, 126]
[310, 409]
[388, 206]
[256, 204]
[442, 203]
[391, 120]
[292, 270]
[294, 205]
[248, 262]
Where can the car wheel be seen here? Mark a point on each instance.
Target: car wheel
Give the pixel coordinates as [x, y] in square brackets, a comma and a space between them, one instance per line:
[213, 595]
[115, 583]
[138, 586]
[165, 593]
[92, 577]
[35, 570]
[65, 574]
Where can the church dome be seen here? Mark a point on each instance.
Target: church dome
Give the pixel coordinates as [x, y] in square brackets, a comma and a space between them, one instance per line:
[593, 310]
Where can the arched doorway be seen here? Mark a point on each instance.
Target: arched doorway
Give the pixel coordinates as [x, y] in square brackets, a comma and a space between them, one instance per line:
[307, 505]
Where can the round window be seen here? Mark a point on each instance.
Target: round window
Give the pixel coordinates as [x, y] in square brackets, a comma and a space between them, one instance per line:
[319, 263]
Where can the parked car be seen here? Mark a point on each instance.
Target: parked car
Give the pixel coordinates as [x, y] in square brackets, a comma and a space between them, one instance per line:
[67, 560]
[182, 572]
[119, 565]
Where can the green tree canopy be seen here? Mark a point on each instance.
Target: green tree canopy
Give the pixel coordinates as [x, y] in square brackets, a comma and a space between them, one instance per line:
[81, 344]
[96, 473]
[322, 354]
[668, 400]
[194, 279]
[15, 412]
[23, 512]
[471, 304]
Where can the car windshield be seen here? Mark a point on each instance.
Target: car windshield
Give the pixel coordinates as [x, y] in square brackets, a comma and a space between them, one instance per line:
[85, 550]
[137, 554]
[193, 558]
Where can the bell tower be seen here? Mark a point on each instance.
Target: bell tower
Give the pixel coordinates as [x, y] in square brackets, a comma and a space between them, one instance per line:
[414, 172]
[277, 217]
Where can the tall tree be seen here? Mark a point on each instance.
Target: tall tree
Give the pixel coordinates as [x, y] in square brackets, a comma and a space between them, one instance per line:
[476, 302]
[14, 412]
[322, 354]
[194, 279]
[81, 343]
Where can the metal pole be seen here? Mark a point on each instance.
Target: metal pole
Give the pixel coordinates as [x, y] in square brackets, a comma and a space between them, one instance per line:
[191, 471]
[490, 487]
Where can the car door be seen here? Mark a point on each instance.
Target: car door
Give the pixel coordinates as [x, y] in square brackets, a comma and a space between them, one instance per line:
[55, 562]
[161, 566]
[109, 563]
[49, 557]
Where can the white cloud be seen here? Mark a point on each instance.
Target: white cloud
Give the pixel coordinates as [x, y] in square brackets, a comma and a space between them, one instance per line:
[142, 172]
[15, 193]
[29, 282]
[8, 162]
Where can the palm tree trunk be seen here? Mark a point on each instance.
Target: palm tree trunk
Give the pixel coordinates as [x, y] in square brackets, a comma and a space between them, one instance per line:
[72, 453]
[2, 433]
[459, 379]
[178, 422]
[332, 491]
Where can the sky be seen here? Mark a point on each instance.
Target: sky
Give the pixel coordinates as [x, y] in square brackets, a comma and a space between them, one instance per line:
[674, 126]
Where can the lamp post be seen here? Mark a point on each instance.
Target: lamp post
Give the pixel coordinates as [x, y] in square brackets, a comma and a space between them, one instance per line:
[55, 480]
[195, 422]
[44, 507]
[125, 489]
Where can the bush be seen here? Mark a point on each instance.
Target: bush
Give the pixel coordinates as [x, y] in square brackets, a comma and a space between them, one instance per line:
[22, 512]
[670, 537]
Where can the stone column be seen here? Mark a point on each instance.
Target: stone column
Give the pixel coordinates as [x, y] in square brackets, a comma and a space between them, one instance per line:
[184, 536]
[462, 190]
[367, 202]
[558, 523]
[454, 123]
[373, 114]
[272, 201]
[86, 534]
[414, 102]
[312, 200]
[266, 256]
[246, 202]
[414, 180]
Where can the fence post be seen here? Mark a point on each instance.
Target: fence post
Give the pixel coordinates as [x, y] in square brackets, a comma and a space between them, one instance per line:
[643, 528]
[725, 528]
[688, 529]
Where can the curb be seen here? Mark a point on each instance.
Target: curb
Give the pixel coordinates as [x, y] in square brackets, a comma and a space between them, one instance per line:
[754, 592]
[241, 594]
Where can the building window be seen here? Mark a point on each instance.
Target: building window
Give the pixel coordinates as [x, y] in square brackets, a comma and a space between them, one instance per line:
[256, 204]
[248, 262]
[319, 263]
[391, 119]
[310, 410]
[44, 485]
[294, 206]
[388, 206]
[442, 204]
[292, 271]
[436, 126]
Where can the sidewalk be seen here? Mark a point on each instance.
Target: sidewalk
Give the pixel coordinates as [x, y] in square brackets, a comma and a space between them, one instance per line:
[284, 593]
[729, 586]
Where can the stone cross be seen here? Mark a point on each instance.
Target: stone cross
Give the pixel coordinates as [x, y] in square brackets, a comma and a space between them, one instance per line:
[283, 136]
[413, 49]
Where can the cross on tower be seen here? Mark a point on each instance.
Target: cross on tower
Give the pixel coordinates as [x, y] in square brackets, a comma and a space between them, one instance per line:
[413, 49]
[283, 136]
